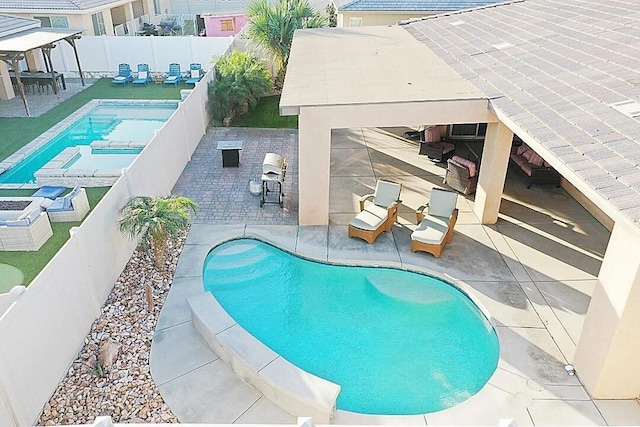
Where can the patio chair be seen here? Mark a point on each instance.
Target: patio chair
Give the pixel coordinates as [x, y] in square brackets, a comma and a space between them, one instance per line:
[195, 74]
[174, 76]
[435, 228]
[71, 207]
[124, 75]
[379, 215]
[144, 76]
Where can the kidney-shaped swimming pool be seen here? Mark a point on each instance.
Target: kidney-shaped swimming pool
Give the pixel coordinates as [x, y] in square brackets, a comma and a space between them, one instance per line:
[397, 342]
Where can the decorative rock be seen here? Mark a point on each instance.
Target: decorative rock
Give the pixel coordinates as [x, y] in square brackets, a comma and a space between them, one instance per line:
[127, 393]
[108, 352]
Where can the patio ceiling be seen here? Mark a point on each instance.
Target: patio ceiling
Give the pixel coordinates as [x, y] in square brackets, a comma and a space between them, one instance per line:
[367, 65]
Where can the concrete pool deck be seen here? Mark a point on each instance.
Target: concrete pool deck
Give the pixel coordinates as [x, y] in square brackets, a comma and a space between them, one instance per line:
[533, 272]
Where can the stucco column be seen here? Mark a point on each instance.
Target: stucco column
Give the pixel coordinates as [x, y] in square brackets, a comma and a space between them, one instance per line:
[606, 358]
[33, 61]
[6, 88]
[314, 163]
[493, 170]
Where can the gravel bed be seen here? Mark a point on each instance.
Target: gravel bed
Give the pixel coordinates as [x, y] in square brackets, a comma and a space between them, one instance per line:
[124, 390]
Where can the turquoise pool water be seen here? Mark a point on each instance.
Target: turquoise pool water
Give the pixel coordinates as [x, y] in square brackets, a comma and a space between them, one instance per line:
[109, 122]
[397, 342]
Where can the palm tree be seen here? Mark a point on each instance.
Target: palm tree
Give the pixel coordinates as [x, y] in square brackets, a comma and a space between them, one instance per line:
[157, 219]
[272, 27]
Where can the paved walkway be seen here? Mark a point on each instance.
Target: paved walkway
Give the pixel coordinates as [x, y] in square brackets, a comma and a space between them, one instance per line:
[41, 101]
[533, 272]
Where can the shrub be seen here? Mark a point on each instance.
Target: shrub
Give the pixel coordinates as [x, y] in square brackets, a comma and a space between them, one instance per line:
[240, 80]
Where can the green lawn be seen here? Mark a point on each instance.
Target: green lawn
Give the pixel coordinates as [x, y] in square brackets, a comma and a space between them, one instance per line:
[266, 115]
[31, 263]
[18, 131]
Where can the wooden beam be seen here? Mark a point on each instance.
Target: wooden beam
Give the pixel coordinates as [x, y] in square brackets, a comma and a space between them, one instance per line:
[72, 42]
[47, 54]
[16, 70]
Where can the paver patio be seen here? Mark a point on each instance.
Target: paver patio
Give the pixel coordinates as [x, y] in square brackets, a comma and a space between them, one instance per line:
[533, 272]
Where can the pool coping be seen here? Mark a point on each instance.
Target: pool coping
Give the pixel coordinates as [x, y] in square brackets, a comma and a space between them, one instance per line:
[290, 387]
[505, 382]
[56, 129]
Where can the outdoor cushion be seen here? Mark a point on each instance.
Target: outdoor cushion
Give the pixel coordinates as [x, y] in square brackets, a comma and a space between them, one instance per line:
[442, 203]
[431, 230]
[60, 204]
[195, 74]
[527, 168]
[535, 159]
[371, 218]
[30, 216]
[17, 223]
[469, 164]
[522, 148]
[386, 193]
[49, 192]
[142, 74]
[120, 78]
[172, 78]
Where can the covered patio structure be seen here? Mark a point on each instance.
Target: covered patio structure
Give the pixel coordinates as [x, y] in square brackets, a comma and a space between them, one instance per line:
[565, 91]
[22, 39]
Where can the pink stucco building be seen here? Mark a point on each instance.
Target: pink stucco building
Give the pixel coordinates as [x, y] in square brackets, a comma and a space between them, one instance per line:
[224, 25]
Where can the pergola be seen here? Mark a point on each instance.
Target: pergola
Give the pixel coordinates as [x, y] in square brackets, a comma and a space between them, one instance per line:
[14, 48]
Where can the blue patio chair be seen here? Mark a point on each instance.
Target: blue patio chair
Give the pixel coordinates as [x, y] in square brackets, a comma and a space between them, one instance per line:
[175, 76]
[124, 75]
[195, 74]
[143, 75]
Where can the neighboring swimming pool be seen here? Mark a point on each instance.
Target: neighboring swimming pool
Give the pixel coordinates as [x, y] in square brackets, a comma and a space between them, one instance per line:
[120, 122]
[396, 342]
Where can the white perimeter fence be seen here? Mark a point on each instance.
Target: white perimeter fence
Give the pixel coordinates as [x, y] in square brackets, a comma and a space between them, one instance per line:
[100, 55]
[43, 330]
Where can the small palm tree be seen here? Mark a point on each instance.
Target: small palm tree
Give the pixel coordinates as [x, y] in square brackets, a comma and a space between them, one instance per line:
[157, 219]
[271, 26]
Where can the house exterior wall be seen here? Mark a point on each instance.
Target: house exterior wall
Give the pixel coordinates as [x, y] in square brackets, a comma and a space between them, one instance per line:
[377, 18]
[213, 25]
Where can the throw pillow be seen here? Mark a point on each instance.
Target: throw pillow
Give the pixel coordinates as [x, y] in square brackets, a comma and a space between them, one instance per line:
[535, 159]
[522, 148]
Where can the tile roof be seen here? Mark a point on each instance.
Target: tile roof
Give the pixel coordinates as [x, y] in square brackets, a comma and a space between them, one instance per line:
[53, 4]
[553, 67]
[410, 5]
[13, 24]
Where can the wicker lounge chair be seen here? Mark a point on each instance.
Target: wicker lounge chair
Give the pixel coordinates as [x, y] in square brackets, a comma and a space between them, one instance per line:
[461, 175]
[435, 229]
[69, 208]
[28, 233]
[379, 215]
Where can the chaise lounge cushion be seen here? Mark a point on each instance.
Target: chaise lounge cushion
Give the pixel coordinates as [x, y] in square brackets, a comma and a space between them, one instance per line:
[441, 204]
[431, 230]
[24, 220]
[370, 218]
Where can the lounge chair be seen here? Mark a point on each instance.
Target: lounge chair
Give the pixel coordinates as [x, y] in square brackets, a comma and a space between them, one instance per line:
[71, 207]
[195, 74]
[27, 233]
[378, 216]
[124, 75]
[174, 76]
[144, 76]
[435, 228]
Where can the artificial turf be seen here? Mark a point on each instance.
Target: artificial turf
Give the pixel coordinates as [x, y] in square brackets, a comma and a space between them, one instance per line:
[31, 263]
[266, 114]
[18, 131]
